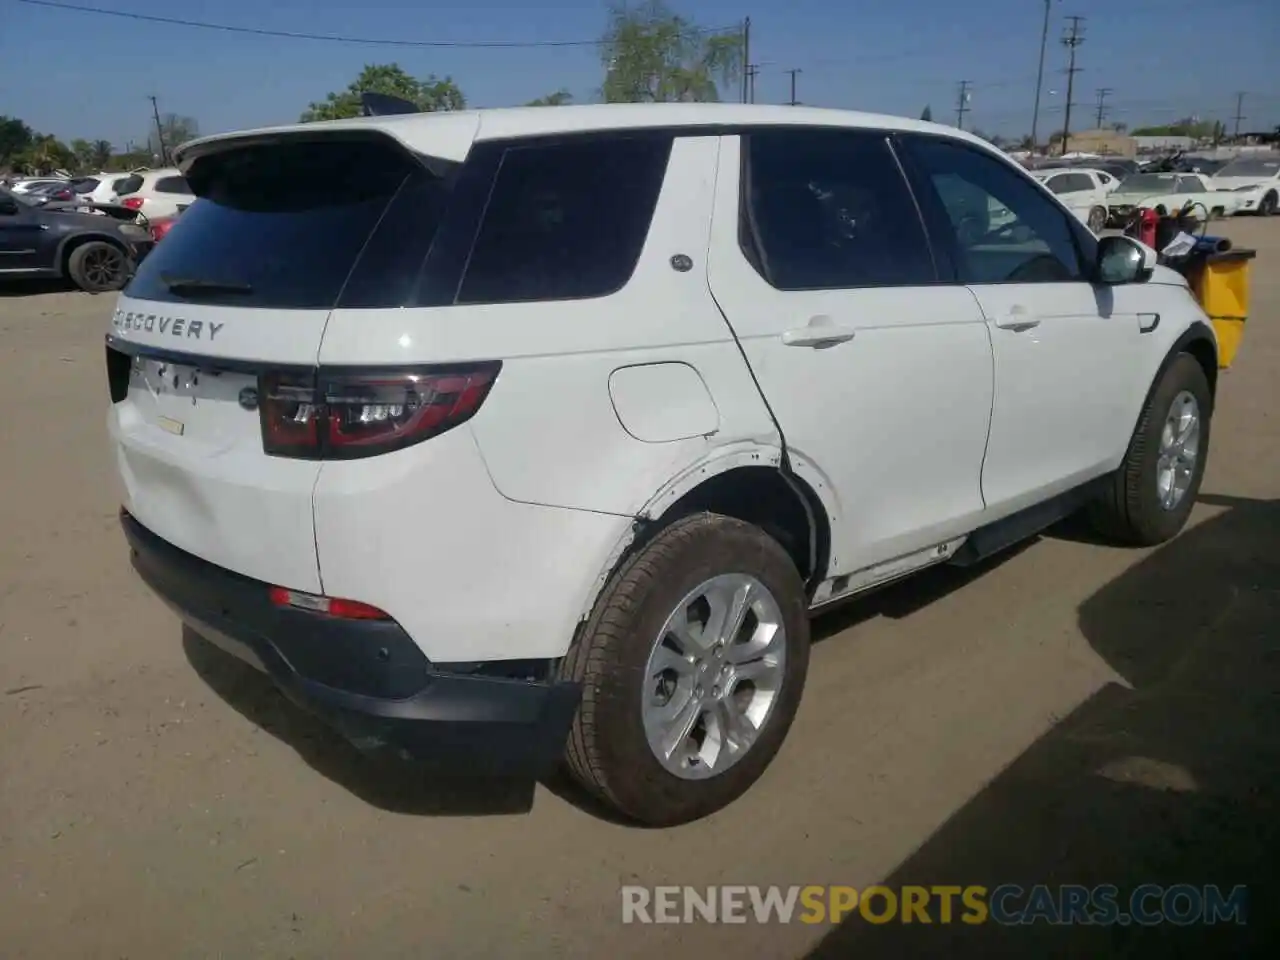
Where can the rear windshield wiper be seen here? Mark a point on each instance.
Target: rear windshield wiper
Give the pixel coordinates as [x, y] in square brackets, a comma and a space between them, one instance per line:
[180, 285]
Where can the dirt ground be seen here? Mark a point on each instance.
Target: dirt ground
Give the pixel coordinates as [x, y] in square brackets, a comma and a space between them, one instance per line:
[1073, 713]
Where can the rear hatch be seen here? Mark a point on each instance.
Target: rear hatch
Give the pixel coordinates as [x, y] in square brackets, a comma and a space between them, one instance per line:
[214, 342]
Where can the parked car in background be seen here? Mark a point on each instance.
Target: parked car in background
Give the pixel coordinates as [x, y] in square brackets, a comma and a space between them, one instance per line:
[1256, 180]
[96, 253]
[156, 193]
[1083, 191]
[1170, 192]
[25, 185]
[713, 367]
[103, 187]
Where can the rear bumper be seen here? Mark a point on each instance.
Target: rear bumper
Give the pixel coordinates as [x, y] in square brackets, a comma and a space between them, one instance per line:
[367, 679]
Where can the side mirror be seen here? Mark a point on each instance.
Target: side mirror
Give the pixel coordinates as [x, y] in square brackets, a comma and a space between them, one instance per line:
[1124, 260]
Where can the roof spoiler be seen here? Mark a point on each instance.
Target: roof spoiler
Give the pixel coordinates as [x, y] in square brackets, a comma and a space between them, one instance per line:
[385, 105]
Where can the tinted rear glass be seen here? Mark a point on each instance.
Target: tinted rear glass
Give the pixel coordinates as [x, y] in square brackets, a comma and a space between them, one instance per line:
[172, 185]
[289, 222]
[566, 220]
[127, 185]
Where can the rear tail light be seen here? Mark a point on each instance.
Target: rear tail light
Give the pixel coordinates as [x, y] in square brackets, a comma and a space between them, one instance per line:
[159, 228]
[133, 203]
[346, 415]
[329, 606]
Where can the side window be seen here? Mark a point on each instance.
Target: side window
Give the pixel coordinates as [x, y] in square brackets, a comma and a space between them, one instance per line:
[1190, 185]
[1057, 184]
[172, 185]
[1077, 182]
[1105, 179]
[1005, 230]
[127, 185]
[566, 221]
[830, 209]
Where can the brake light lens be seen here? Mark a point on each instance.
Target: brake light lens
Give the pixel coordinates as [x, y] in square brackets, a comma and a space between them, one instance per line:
[345, 415]
[133, 203]
[329, 606]
[160, 227]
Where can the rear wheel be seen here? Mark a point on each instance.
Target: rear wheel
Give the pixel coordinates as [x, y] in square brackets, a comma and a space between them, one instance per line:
[1155, 488]
[692, 665]
[1098, 219]
[1270, 204]
[98, 266]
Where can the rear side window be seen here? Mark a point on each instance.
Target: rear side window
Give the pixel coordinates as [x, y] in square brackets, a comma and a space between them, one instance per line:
[830, 209]
[127, 185]
[172, 185]
[565, 220]
[284, 225]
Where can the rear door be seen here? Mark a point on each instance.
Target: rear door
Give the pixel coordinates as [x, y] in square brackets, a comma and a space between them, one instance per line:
[878, 371]
[217, 312]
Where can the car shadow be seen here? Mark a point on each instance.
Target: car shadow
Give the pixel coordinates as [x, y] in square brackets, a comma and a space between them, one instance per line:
[1171, 777]
[33, 288]
[386, 782]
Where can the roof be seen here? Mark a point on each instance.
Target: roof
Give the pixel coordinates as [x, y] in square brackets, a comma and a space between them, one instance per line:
[449, 135]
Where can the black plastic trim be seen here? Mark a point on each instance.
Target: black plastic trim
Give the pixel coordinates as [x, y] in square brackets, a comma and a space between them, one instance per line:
[366, 678]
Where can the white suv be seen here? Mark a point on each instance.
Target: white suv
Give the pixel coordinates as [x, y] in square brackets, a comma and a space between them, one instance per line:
[505, 436]
[154, 193]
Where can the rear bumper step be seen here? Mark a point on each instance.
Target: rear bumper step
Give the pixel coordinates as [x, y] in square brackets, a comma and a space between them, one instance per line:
[365, 678]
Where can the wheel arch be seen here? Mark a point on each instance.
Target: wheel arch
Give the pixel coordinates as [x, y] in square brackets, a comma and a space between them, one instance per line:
[1199, 341]
[69, 244]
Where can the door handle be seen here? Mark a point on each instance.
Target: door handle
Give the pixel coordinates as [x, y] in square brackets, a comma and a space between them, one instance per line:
[820, 332]
[1017, 319]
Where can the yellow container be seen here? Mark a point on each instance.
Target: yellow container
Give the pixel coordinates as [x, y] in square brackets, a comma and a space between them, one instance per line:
[1221, 284]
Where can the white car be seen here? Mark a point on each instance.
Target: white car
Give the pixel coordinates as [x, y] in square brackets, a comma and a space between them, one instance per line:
[156, 193]
[1257, 182]
[1171, 192]
[1083, 191]
[28, 184]
[560, 467]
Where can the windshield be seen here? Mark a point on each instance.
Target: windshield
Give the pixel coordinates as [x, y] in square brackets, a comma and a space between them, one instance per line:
[1150, 183]
[1250, 168]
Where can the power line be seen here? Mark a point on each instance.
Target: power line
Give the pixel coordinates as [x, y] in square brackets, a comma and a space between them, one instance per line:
[1071, 41]
[1239, 112]
[962, 102]
[1103, 93]
[336, 38]
[793, 72]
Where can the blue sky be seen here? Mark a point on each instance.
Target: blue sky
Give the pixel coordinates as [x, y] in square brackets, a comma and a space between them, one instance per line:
[81, 75]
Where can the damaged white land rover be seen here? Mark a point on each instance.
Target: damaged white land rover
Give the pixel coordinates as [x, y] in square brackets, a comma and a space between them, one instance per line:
[513, 437]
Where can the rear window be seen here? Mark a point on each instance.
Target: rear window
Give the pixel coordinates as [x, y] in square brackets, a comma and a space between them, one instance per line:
[566, 220]
[286, 223]
[84, 185]
[127, 185]
[172, 185]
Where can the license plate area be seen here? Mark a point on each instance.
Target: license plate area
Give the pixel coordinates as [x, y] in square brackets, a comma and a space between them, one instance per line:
[198, 405]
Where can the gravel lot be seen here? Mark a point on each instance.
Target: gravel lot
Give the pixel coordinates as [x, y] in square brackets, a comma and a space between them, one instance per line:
[1073, 713]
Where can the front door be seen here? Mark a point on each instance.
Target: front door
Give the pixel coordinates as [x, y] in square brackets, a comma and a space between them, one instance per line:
[879, 375]
[21, 236]
[1065, 351]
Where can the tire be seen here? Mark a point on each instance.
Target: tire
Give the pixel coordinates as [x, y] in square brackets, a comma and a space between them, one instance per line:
[609, 751]
[1218, 213]
[98, 267]
[1097, 219]
[1131, 510]
[1270, 205]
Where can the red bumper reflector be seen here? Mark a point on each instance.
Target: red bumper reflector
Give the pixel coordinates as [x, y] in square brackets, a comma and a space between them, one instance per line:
[329, 606]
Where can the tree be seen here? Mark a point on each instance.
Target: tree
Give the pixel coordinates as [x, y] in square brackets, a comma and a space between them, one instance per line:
[15, 138]
[652, 55]
[45, 154]
[176, 130]
[431, 95]
[927, 114]
[83, 150]
[101, 154]
[560, 98]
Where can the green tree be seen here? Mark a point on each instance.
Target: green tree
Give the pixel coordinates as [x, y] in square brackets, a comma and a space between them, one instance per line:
[101, 154]
[45, 154]
[431, 95]
[927, 114]
[83, 151]
[560, 98]
[15, 138]
[651, 54]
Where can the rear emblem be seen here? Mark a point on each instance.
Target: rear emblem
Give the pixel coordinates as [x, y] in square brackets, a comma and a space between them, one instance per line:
[249, 398]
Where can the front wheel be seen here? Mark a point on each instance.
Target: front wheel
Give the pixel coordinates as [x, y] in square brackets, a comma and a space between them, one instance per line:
[1270, 205]
[1152, 493]
[692, 665]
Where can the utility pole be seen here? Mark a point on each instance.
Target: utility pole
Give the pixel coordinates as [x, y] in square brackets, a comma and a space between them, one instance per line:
[1044, 40]
[164, 150]
[1103, 93]
[1071, 41]
[962, 102]
[1239, 113]
[753, 69]
[746, 55]
[793, 72]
